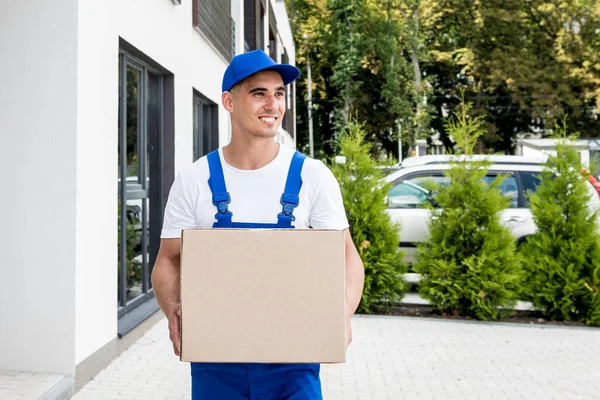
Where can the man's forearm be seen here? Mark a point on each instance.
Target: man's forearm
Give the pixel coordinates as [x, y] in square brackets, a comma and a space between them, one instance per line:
[165, 282]
[355, 276]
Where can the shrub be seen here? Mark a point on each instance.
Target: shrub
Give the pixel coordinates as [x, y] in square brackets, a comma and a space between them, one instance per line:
[373, 232]
[562, 259]
[469, 264]
[133, 242]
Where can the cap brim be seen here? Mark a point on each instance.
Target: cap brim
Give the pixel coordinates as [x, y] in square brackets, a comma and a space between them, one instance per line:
[288, 72]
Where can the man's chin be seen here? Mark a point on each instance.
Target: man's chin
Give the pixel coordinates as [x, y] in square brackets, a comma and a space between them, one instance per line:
[266, 135]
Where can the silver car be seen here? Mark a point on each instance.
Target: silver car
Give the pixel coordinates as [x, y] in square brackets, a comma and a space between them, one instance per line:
[409, 194]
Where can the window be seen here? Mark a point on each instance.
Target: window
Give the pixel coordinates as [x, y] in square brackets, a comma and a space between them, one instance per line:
[508, 187]
[213, 19]
[289, 119]
[206, 126]
[254, 24]
[249, 25]
[430, 180]
[272, 45]
[407, 195]
[145, 165]
[594, 160]
[414, 192]
[531, 181]
[134, 178]
[273, 36]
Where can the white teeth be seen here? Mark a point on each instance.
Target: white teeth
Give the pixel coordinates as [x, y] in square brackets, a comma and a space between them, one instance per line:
[267, 119]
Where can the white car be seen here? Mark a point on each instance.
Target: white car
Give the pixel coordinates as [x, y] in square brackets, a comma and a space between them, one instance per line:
[408, 195]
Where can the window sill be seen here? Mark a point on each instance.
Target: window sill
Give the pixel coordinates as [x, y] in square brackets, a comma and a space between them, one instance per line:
[129, 321]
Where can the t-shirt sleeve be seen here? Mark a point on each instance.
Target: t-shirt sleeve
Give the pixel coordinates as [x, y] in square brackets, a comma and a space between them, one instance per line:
[328, 208]
[179, 212]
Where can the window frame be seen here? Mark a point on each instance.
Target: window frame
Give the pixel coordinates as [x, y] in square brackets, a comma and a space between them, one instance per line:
[199, 128]
[210, 25]
[155, 111]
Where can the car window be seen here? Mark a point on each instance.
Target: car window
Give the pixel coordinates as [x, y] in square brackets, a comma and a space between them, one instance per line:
[414, 192]
[407, 195]
[531, 181]
[509, 188]
[427, 180]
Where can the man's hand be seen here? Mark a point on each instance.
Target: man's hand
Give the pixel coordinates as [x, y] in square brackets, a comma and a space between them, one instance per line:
[348, 331]
[165, 281]
[355, 280]
[174, 319]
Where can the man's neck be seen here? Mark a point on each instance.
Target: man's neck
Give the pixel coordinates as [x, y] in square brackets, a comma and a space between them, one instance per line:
[250, 154]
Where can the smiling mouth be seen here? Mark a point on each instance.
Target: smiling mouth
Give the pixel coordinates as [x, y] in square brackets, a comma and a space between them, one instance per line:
[268, 119]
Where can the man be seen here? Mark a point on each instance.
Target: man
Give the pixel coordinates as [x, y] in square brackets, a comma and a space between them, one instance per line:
[243, 183]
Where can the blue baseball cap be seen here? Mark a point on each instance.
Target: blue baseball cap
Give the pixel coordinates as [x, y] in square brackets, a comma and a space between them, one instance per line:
[246, 64]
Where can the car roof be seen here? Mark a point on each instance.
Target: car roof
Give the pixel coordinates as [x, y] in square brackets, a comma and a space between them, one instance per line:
[443, 167]
[496, 159]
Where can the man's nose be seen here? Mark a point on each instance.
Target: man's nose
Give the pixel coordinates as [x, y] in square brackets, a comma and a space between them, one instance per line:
[271, 103]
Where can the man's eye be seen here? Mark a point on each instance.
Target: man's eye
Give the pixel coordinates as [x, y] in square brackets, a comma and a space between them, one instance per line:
[280, 94]
[258, 94]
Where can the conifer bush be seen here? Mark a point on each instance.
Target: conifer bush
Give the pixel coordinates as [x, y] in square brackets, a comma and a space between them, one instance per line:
[469, 264]
[562, 260]
[376, 237]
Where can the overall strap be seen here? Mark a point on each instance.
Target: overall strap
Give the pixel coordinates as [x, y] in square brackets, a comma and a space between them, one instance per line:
[290, 197]
[220, 195]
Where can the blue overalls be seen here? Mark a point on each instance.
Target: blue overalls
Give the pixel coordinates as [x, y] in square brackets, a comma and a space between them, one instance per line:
[237, 381]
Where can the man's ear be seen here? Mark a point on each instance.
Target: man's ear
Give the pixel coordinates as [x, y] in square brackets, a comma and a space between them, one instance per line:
[227, 100]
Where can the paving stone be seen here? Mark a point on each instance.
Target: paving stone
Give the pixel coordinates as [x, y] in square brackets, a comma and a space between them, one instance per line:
[399, 358]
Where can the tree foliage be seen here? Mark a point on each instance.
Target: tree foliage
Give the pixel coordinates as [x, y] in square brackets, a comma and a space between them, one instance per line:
[562, 259]
[373, 232]
[524, 64]
[469, 264]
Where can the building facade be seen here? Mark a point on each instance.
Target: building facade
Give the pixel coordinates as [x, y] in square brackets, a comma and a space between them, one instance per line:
[102, 104]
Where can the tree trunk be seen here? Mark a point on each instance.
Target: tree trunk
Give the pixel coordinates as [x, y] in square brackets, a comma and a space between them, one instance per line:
[346, 112]
[414, 52]
[419, 100]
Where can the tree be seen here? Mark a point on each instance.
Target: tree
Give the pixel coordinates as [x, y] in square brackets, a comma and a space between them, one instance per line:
[373, 232]
[469, 264]
[524, 64]
[562, 259]
[360, 66]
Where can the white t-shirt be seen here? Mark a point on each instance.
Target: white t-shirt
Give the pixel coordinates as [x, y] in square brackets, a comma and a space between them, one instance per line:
[255, 196]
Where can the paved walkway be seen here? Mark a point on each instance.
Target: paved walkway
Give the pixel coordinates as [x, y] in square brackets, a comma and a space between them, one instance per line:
[401, 358]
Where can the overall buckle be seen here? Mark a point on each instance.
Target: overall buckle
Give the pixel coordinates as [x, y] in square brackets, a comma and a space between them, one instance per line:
[221, 201]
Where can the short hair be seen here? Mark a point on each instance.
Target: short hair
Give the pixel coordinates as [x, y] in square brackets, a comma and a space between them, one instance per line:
[235, 90]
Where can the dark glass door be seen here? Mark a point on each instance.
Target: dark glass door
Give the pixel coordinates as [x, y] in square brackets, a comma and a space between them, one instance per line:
[139, 121]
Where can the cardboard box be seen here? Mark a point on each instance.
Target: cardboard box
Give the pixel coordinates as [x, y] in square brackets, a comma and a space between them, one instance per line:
[263, 295]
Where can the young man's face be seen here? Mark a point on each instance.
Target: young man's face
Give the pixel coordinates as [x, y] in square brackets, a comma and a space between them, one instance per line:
[258, 104]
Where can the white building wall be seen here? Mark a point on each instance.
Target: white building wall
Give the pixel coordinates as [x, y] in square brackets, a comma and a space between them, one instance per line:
[38, 122]
[163, 31]
[584, 153]
[285, 39]
[58, 161]
[237, 14]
